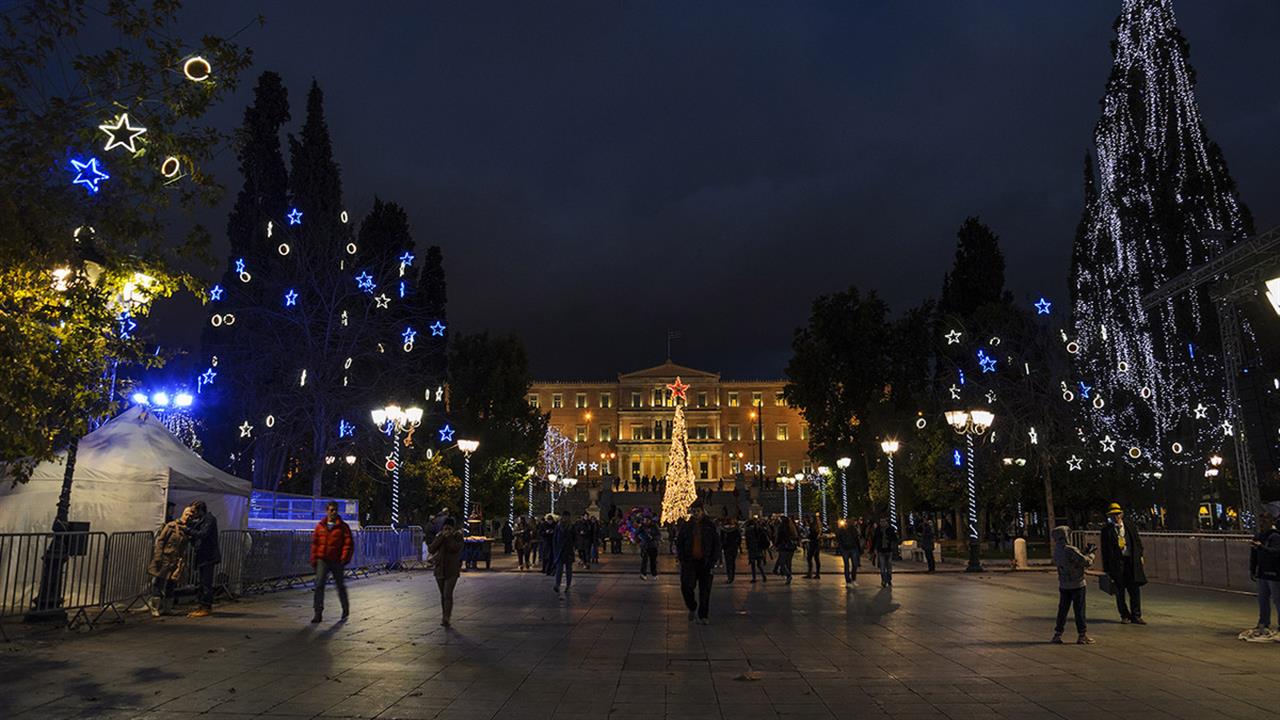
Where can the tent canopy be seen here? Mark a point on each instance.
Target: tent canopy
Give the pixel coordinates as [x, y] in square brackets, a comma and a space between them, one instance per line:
[126, 472]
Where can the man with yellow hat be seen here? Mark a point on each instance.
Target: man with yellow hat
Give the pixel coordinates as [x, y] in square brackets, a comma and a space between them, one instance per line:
[1122, 562]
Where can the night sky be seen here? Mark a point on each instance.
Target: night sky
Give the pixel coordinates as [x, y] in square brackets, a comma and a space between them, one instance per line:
[600, 172]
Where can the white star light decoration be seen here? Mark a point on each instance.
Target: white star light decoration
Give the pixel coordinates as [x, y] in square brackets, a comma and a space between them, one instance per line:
[1074, 463]
[582, 467]
[1227, 428]
[594, 467]
[122, 128]
[246, 430]
[1108, 444]
[382, 301]
[1034, 436]
[953, 337]
[1201, 411]
[991, 397]
[955, 391]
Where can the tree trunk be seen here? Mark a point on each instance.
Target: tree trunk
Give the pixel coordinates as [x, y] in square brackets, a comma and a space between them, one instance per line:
[64, 498]
[1046, 473]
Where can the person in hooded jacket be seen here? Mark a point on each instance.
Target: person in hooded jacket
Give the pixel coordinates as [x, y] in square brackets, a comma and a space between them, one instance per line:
[1071, 564]
[1264, 568]
[447, 548]
[201, 529]
[332, 546]
[167, 557]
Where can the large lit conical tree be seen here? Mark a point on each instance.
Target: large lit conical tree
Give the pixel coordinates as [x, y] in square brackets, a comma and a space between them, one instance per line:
[681, 489]
[1163, 202]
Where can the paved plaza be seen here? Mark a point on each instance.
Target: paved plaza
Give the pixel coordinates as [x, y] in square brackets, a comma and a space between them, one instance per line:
[948, 645]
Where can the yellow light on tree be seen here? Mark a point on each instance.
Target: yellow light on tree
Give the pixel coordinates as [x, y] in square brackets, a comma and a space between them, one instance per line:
[681, 490]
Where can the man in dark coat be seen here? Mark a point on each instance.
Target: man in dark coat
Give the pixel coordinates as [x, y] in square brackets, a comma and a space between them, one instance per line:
[563, 546]
[849, 543]
[697, 547]
[447, 549]
[757, 547]
[1122, 562]
[202, 531]
[927, 542]
[731, 543]
[546, 539]
[884, 543]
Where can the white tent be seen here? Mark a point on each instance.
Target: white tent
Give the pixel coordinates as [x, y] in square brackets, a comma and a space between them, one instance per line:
[126, 472]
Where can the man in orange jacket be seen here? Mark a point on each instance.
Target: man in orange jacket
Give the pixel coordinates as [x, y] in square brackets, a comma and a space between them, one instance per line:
[331, 550]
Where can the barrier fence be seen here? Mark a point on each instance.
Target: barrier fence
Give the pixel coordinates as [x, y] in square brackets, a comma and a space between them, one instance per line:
[89, 574]
[1214, 560]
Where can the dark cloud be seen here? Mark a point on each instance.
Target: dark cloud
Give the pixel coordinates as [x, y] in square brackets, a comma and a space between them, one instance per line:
[599, 172]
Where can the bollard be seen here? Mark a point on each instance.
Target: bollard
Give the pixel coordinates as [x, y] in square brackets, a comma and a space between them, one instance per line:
[1020, 554]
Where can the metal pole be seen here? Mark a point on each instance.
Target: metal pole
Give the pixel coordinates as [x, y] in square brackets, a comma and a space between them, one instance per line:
[822, 488]
[800, 499]
[893, 496]
[395, 477]
[530, 483]
[511, 500]
[786, 508]
[844, 495]
[975, 563]
[466, 489]
[1250, 498]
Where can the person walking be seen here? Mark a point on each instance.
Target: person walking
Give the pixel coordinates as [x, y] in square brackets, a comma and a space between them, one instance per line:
[813, 548]
[885, 543]
[647, 539]
[731, 544]
[447, 549]
[926, 543]
[523, 543]
[331, 549]
[1264, 568]
[697, 547]
[849, 543]
[564, 545]
[757, 547]
[168, 555]
[547, 541]
[1071, 563]
[508, 537]
[1122, 562]
[201, 530]
[788, 539]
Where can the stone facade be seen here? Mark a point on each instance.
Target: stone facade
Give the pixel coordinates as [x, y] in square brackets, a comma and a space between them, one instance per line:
[623, 427]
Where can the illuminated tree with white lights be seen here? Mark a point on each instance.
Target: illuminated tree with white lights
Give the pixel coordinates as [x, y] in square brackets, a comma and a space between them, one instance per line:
[681, 488]
[1163, 202]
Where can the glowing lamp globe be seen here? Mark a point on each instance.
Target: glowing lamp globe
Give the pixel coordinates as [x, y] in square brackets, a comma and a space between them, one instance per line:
[844, 463]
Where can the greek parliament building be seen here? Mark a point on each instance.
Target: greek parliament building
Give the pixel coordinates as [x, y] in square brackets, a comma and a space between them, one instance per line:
[624, 427]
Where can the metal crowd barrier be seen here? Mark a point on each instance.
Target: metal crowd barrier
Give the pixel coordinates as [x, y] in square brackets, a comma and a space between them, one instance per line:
[101, 573]
[1211, 559]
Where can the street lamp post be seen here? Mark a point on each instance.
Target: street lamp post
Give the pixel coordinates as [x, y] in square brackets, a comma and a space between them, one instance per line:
[799, 478]
[824, 474]
[393, 420]
[890, 447]
[974, 422]
[467, 447]
[551, 490]
[787, 483]
[844, 463]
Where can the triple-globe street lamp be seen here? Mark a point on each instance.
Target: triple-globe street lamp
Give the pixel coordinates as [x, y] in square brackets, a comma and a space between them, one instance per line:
[393, 420]
[970, 423]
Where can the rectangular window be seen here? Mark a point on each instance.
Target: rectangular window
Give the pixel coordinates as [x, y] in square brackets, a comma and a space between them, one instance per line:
[783, 468]
[700, 432]
[702, 399]
[808, 467]
[580, 400]
[635, 400]
[755, 433]
[655, 398]
[635, 468]
[606, 433]
[606, 400]
[735, 466]
[756, 399]
[704, 469]
[557, 400]
[533, 400]
[733, 399]
[781, 433]
[735, 433]
[779, 400]
[804, 431]
[637, 432]
[580, 434]
[607, 467]
[657, 429]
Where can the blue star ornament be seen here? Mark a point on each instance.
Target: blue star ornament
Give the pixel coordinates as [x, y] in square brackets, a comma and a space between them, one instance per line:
[1043, 306]
[291, 298]
[364, 281]
[207, 376]
[215, 293]
[437, 329]
[407, 258]
[987, 362]
[446, 434]
[88, 174]
[295, 216]
[408, 335]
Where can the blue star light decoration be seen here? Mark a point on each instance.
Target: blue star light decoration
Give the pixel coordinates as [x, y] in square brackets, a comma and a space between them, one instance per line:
[88, 174]
[437, 329]
[291, 298]
[215, 293]
[987, 362]
[446, 433]
[407, 258]
[957, 458]
[127, 325]
[206, 378]
[346, 429]
[239, 265]
[364, 281]
[1085, 390]
[295, 216]
[408, 335]
[1043, 306]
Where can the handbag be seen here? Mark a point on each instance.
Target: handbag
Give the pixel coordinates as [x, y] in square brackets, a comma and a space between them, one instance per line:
[1105, 584]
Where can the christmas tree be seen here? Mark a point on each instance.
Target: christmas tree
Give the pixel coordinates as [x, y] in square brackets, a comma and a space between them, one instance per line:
[313, 326]
[1163, 202]
[681, 491]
